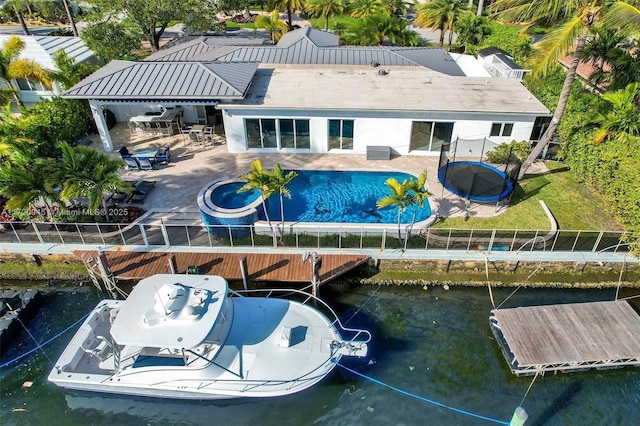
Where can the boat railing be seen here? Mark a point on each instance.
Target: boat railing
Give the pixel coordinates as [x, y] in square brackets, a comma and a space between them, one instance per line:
[357, 335]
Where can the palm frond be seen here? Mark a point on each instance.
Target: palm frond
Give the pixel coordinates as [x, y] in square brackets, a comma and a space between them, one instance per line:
[622, 15]
[556, 45]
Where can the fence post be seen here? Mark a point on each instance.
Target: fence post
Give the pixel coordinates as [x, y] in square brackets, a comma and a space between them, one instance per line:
[80, 233]
[37, 232]
[165, 234]
[575, 242]
[143, 234]
[490, 246]
[469, 242]
[597, 243]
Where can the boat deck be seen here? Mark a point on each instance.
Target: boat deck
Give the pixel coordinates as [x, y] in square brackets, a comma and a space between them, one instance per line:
[277, 267]
[568, 337]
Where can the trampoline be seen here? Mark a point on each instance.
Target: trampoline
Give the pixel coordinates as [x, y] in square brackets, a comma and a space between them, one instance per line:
[475, 181]
[472, 178]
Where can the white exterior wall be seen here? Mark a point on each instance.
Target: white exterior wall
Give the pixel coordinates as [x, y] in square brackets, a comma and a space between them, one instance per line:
[375, 128]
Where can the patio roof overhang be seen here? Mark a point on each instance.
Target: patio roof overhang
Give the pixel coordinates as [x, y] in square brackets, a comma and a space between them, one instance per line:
[166, 82]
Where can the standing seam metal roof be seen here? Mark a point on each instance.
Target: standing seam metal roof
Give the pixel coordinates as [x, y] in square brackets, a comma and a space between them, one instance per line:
[166, 80]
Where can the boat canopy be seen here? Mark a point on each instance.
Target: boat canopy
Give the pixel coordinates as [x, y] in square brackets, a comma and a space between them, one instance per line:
[170, 311]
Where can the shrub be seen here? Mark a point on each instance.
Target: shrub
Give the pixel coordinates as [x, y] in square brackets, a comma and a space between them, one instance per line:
[518, 150]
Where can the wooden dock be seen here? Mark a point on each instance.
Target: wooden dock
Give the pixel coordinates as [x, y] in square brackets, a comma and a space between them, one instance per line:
[133, 265]
[569, 337]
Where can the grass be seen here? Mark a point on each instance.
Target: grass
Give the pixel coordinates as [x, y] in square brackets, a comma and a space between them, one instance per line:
[572, 204]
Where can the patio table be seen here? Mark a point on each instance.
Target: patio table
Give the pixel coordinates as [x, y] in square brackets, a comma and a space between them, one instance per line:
[145, 153]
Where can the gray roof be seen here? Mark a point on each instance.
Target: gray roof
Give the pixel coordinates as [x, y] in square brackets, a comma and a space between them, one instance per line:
[310, 46]
[42, 48]
[191, 48]
[501, 54]
[401, 90]
[123, 80]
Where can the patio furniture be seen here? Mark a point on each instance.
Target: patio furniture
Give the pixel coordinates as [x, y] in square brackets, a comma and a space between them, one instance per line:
[159, 122]
[196, 137]
[145, 164]
[165, 156]
[142, 190]
[124, 152]
[132, 163]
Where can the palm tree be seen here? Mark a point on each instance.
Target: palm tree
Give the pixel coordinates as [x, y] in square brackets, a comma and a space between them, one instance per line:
[12, 67]
[86, 172]
[440, 15]
[363, 8]
[375, 29]
[288, 6]
[623, 15]
[419, 193]
[326, 8]
[622, 118]
[69, 72]
[471, 29]
[400, 197]
[278, 182]
[576, 19]
[272, 23]
[259, 179]
[72, 21]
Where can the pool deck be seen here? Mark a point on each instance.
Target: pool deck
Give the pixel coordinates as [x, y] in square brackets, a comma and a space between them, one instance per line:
[178, 183]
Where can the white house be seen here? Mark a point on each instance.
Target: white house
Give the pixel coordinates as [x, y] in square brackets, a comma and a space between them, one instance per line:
[308, 94]
[41, 49]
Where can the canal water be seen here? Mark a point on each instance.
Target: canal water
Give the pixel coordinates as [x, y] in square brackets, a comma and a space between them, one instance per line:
[429, 345]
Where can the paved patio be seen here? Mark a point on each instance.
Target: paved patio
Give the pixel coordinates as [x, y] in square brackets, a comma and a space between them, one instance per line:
[179, 182]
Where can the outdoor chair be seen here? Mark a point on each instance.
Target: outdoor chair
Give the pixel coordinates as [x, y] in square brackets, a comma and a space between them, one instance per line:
[124, 152]
[165, 156]
[196, 138]
[142, 190]
[146, 164]
[132, 163]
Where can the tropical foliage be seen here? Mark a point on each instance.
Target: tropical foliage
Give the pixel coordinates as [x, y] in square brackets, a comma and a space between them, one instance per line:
[471, 30]
[122, 39]
[68, 72]
[288, 6]
[273, 24]
[379, 29]
[440, 15]
[324, 8]
[12, 67]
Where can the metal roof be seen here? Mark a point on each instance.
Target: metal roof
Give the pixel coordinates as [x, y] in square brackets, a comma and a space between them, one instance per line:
[191, 48]
[308, 46]
[123, 80]
[500, 54]
[42, 48]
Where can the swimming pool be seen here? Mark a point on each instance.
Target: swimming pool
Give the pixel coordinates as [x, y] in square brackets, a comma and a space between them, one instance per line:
[326, 196]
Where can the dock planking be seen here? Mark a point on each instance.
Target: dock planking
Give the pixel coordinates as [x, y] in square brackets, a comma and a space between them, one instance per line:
[133, 265]
[568, 337]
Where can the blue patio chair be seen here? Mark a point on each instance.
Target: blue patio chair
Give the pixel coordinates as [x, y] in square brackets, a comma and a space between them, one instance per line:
[145, 164]
[124, 152]
[165, 156]
[132, 163]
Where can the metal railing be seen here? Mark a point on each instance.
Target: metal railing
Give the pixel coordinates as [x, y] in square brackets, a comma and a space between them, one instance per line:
[310, 237]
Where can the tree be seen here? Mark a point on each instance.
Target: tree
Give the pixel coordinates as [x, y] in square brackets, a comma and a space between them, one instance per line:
[288, 6]
[376, 29]
[273, 24]
[326, 8]
[575, 20]
[363, 8]
[12, 67]
[471, 29]
[72, 21]
[69, 72]
[122, 40]
[621, 119]
[85, 172]
[151, 17]
[624, 15]
[420, 194]
[400, 197]
[440, 15]
[260, 180]
[278, 182]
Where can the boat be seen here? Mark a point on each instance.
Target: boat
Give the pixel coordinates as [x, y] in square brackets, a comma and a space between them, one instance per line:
[192, 337]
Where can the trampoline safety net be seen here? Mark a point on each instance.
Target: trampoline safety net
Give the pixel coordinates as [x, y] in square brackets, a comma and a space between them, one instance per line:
[464, 172]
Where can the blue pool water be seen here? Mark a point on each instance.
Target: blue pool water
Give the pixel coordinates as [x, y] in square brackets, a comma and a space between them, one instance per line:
[227, 196]
[340, 197]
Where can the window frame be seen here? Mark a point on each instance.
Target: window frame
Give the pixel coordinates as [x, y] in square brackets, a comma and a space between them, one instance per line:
[341, 138]
[297, 139]
[502, 131]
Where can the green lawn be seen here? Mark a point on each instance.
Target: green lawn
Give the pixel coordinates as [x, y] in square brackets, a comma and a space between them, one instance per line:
[572, 204]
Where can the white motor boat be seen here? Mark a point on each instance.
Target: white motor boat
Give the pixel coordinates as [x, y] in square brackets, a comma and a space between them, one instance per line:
[191, 337]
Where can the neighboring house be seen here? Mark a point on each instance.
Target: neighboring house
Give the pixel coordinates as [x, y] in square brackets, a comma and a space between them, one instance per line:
[41, 50]
[308, 94]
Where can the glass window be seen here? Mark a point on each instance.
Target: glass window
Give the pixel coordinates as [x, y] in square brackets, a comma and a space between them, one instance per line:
[303, 141]
[287, 134]
[269, 137]
[23, 84]
[501, 129]
[341, 134]
[252, 127]
[430, 136]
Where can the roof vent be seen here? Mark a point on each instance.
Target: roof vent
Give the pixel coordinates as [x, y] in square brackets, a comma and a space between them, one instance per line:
[375, 64]
[383, 72]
